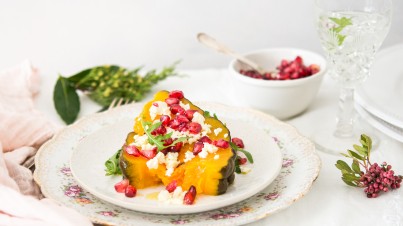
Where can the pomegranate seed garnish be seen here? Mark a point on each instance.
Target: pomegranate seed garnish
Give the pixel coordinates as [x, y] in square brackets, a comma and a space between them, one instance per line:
[165, 120]
[177, 109]
[183, 127]
[155, 104]
[190, 113]
[238, 142]
[122, 185]
[177, 147]
[174, 124]
[197, 148]
[170, 101]
[168, 141]
[182, 119]
[221, 143]
[242, 161]
[132, 150]
[205, 139]
[161, 130]
[190, 196]
[176, 94]
[149, 153]
[171, 186]
[130, 191]
[298, 60]
[194, 127]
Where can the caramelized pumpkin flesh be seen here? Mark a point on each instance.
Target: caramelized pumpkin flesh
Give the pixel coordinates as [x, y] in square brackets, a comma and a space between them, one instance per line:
[203, 157]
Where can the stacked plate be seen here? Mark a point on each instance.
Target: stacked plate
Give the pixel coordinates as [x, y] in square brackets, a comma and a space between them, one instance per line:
[70, 170]
[380, 99]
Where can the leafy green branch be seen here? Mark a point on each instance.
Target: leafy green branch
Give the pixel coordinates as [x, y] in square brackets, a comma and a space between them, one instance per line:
[103, 84]
[341, 24]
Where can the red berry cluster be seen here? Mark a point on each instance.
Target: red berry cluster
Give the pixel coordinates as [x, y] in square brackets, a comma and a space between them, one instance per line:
[379, 178]
[287, 70]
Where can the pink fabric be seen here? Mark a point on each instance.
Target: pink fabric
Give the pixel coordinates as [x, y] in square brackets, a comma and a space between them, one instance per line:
[22, 131]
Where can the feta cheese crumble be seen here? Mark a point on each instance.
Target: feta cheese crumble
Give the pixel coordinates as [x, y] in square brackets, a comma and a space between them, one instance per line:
[217, 131]
[245, 169]
[176, 197]
[216, 157]
[159, 108]
[188, 156]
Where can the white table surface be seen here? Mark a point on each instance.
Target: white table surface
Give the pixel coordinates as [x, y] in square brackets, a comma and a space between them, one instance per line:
[330, 201]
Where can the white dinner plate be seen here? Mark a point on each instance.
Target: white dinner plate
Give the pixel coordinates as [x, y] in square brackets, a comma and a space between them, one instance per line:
[382, 93]
[300, 167]
[383, 126]
[90, 154]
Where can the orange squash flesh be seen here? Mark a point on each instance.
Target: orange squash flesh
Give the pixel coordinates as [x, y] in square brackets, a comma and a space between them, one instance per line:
[210, 176]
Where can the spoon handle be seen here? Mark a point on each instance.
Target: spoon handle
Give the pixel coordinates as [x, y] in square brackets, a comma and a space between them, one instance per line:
[212, 43]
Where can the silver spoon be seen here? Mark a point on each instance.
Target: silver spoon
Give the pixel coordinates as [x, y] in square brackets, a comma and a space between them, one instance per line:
[212, 43]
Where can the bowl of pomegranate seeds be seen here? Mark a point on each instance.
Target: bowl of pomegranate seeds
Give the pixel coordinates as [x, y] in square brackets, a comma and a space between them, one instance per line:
[289, 84]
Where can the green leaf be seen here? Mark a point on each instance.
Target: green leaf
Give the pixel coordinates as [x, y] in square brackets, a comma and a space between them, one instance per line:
[237, 168]
[341, 165]
[366, 141]
[349, 182]
[363, 151]
[79, 76]
[246, 153]
[350, 177]
[355, 155]
[356, 167]
[112, 164]
[66, 100]
[341, 24]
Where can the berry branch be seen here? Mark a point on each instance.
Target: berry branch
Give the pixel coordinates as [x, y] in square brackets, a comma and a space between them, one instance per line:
[375, 179]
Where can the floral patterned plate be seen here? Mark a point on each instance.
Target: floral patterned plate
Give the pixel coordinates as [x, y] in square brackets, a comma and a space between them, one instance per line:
[300, 168]
[91, 152]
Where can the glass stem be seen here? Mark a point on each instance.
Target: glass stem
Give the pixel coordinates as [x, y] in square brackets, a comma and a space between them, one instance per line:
[346, 113]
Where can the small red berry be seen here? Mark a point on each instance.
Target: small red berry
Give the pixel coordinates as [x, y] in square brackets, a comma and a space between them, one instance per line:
[238, 142]
[176, 94]
[171, 186]
[205, 139]
[194, 127]
[149, 153]
[221, 143]
[132, 150]
[170, 101]
[190, 196]
[190, 113]
[177, 109]
[165, 120]
[122, 185]
[197, 148]
[130, 191]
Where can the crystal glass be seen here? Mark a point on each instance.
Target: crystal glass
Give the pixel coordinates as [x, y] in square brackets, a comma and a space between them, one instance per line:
[350, 32]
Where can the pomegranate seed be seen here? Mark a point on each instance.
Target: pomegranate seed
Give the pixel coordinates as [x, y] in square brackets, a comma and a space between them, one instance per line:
[197, 148]
[194, 127]
[298, 60]
[168, 141]
[238, 142]
[189, 114]
[132, 150]
[177, 109]
[183, 127]
[190, 196]
[149, 153]
[171, 186]
[182, 119]
[161, 130]
[170, 101]
[165, 120]
[174, 124]
[205, 139]
[242, 161]
[221, 143]
[176, 94]
[177, 147]
[314, 68]
[155, 104]
[130, 191]
[122, 185]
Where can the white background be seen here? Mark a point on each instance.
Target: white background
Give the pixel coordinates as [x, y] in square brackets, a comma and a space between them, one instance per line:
[68, 36]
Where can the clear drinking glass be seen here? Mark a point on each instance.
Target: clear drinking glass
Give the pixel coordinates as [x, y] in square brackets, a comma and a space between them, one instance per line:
[350, 32]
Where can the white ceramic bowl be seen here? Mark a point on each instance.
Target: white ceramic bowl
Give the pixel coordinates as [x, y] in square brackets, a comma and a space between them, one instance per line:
[280, 98]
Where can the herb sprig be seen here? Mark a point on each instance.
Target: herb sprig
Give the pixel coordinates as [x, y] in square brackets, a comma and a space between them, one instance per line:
[103, 84]
[246, 153]
[159, 140]
[341, 24]
[112, 164]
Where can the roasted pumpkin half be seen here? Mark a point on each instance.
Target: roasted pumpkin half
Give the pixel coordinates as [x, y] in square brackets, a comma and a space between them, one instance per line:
[173, 139]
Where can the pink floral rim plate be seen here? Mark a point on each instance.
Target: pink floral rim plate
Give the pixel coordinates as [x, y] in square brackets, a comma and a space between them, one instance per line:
[299, 168]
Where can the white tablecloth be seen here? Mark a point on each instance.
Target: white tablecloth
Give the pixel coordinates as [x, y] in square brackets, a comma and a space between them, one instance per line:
[330, 201]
